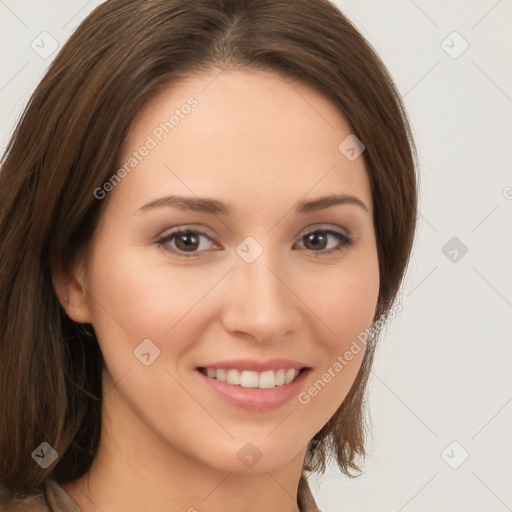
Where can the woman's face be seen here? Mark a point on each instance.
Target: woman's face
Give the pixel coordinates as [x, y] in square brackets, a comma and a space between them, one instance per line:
[264, 277]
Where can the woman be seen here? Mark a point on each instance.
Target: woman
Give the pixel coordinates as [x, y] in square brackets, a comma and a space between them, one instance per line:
[207, 208]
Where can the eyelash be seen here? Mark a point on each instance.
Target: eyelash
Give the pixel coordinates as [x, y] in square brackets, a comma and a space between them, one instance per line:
[346, 241]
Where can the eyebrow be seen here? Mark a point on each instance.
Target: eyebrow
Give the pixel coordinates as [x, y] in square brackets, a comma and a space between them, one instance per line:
[215, 207]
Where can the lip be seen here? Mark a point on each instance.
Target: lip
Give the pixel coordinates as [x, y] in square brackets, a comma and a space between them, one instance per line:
[255, 399]
[256, 366]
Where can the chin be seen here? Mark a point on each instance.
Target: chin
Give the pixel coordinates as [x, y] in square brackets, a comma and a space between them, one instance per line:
[253, 455]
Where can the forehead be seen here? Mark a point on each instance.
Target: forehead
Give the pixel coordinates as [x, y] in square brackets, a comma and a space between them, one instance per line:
[235, 132]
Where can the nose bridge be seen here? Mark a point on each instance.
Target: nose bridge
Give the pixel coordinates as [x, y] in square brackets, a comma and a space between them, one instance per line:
[262, 305]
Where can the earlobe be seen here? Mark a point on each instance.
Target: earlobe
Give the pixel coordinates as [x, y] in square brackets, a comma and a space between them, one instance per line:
[72, 296]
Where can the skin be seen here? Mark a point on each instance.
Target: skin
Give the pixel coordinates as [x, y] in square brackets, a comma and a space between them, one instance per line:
[260, 143]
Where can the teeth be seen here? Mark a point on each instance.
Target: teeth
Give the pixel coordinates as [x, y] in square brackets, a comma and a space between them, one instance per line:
[250, 379]
[280, 377]
[267, 379]
[233, 377]
[290, 375]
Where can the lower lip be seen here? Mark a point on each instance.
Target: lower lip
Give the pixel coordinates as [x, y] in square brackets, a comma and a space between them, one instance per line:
[256, 399]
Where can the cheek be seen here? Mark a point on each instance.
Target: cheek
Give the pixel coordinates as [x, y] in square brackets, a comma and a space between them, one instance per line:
[137, 297]
[346, 304]
[345, 301]
[145, 298]
[354, 309]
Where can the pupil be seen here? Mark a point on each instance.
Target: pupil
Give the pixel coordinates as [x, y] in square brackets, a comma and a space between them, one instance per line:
[316, 240]
[189, 241]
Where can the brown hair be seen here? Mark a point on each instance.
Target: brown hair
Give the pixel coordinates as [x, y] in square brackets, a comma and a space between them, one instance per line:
[66, 145]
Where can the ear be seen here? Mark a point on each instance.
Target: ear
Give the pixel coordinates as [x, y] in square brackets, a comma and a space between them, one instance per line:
[72, 293]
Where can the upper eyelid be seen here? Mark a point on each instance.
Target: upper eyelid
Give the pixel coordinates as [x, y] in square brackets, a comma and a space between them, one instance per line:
[308, 229]
[304, 231]
[173, 232]
[323, 227]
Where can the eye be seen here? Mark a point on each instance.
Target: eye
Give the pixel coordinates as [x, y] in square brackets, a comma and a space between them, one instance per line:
[323, 242]
[185, 243]
[190, 243]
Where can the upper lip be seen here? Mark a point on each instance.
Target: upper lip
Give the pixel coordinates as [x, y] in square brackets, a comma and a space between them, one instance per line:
[255, 365]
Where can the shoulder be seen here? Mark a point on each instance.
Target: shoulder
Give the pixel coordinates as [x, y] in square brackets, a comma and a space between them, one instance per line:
[305, 497]
[38, 502]
[14, 503]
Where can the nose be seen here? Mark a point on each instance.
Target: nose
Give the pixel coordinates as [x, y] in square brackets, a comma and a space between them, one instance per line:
[261, 304]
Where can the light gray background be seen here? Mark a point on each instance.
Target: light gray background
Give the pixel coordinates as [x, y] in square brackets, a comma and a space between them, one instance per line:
[443, 370]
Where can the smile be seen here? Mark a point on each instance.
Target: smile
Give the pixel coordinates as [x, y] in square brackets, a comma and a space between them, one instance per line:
[252, 379]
